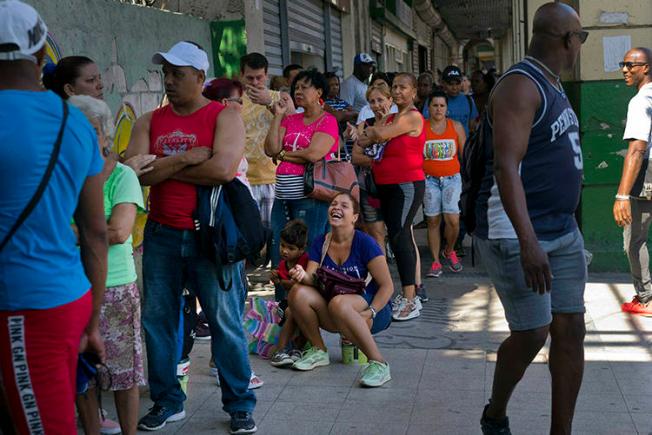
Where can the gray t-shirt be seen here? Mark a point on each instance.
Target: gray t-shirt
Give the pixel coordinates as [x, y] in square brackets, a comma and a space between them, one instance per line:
[353, 91]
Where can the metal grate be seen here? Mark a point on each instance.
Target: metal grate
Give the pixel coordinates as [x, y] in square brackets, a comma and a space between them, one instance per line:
[476, 19]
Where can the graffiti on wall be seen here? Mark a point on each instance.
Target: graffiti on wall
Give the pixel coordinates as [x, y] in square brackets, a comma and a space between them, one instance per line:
[144, 95]
[141, 97]
[52, 50]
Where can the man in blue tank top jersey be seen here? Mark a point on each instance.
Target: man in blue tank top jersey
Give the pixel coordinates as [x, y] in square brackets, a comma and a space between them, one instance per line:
[526, 230]
[633, 205]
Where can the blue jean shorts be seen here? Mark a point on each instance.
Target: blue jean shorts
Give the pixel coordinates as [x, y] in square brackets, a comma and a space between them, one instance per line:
[525, 309]
[442, 195]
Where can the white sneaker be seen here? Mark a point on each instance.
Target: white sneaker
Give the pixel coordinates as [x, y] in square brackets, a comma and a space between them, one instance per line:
[417, 302]
[254, 380]
[407, 312]
[397, 302]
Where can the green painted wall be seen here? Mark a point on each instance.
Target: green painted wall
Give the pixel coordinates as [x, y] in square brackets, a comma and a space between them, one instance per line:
[602, 108]
[229, 45]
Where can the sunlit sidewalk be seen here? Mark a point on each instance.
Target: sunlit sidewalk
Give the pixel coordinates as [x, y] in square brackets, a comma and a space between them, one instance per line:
[442, 367]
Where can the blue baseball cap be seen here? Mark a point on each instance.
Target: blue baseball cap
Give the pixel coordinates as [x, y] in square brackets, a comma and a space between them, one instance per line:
[363, 58]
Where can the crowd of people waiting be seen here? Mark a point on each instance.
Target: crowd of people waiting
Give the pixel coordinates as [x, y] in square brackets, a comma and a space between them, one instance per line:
[69, 302]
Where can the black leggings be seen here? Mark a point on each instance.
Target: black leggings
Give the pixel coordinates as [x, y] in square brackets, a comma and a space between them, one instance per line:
[399, 204]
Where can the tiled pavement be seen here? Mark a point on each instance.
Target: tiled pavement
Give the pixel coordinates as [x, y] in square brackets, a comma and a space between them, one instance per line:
[442, 366]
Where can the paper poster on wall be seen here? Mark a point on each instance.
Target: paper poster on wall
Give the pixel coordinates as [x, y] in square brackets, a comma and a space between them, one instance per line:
[614, 49]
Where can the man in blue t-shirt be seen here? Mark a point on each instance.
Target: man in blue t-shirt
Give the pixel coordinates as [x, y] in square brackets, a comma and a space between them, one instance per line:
[461, 107]
[47, 306]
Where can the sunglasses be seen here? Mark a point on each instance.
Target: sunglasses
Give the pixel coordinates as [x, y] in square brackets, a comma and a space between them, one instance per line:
[582, 34]
[630, 65]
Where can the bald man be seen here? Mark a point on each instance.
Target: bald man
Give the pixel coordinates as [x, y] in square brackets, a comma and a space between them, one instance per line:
[633, 205]
[526, 230]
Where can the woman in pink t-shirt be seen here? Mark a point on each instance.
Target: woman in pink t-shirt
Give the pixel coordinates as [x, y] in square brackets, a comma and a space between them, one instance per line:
[295, 140]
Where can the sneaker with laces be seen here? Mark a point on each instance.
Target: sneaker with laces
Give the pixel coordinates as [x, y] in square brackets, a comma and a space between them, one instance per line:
[158, 416]
[435, 270]
[396, 302]
[295, 354]
[407, 312]
[492, 426]
[453, 262]
[313, 357]
[281, 359]
[637, 307]
[108, 426]
[202, 332]
[242, 422]
[421, 292]
[375, 374]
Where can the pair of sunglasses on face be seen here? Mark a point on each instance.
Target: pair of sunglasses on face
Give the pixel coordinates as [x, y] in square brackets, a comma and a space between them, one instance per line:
[630, 65]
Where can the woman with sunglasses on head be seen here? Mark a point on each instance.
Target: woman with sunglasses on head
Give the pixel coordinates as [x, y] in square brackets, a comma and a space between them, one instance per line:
[120, 312]
[400, 179]
[294, 140]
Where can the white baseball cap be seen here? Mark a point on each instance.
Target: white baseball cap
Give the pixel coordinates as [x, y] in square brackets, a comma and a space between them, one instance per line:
[22, 31]
[184, 54]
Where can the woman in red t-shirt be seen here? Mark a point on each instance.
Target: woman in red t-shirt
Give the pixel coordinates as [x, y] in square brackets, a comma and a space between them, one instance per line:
[400, 180]
[444, 141]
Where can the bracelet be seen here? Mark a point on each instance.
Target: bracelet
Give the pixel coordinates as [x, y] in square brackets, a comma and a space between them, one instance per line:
[373, 312]
[281, 155]
[622, 197]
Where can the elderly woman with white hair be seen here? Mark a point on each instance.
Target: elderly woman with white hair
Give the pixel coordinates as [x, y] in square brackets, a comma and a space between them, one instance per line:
[120, 313]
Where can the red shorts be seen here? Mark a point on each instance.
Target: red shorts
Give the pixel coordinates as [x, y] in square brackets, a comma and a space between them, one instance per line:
[38, 362]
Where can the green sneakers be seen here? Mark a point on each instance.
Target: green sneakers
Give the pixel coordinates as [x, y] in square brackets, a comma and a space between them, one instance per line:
[313, 357]
[375, 374]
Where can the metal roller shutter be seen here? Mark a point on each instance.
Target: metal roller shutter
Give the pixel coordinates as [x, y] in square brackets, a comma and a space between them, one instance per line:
[306, 26]
[272, 31]
[337, 50]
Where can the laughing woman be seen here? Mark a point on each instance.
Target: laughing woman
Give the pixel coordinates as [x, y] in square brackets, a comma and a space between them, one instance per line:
[356, 317]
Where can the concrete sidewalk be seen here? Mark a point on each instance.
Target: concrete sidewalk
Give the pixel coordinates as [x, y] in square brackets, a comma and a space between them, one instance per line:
[442, 367]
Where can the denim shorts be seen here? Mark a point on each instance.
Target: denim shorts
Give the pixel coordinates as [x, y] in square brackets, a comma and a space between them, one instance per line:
[370, 208]
[442, 195]
[525, 309]
[383, 317]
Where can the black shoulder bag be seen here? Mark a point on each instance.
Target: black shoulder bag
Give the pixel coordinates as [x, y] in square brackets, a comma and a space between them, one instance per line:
[44, 181]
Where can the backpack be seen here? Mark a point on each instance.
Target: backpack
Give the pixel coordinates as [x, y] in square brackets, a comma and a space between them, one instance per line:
[229, 226]
[472, 169]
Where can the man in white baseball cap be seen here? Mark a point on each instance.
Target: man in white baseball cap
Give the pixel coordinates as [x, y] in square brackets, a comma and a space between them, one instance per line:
[197, 142]
[184, 53]
[46, 307]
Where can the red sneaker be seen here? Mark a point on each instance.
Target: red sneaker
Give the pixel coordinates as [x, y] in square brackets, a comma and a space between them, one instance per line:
[637, 307]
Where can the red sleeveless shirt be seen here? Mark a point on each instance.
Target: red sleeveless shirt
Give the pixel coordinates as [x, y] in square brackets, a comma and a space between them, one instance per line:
[402, 160]
[173, 202]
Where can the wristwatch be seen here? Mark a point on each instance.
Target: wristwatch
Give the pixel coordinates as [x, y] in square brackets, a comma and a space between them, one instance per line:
[373, 312]
[281, 155]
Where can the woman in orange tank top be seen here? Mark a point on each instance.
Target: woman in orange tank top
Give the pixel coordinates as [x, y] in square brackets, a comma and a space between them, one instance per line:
[444, 141]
